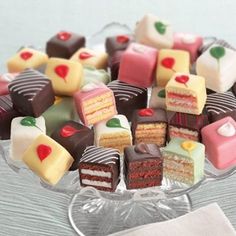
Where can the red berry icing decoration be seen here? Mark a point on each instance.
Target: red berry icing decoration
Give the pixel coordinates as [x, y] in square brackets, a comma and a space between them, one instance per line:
[146, 112]
[183, 79]
[64, 36]
[68, 131]
[168, 63]
[43, 151]
[62, 71]
[26, 55]
[122, 39]
[85, 55]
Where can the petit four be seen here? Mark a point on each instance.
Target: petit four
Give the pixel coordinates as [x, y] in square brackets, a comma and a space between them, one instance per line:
[114, 133]
[95, 103]
[152, 31]
[184, 160]
[7, 113]
[117, 43]
[66, 75]
[31, 93]
[220, 141]
[158, 98]
[48, 159]
[74, 137]
[137, 65]
[187, 126]
[128, 97]
[169, 62]
[186, 93]
[217, 66]
[88, 57]
[114, 64]
[24, 130]
[5, 79]
[143, 166]
[64, 44]
[61, 111]
[220, 105]
[92, 75]
[188, 42]
[149, 126]
[26, 58]
[100, 168]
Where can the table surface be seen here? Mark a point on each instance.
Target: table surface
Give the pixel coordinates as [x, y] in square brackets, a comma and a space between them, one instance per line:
[26, 209]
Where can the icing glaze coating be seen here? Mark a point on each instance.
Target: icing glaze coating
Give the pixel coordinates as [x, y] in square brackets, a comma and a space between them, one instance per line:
[5, 79]
[94, 75]
[227, 130]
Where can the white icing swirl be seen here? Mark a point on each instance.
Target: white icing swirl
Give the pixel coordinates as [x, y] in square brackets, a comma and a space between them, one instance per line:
[139, 49]
[92, 86]
[227, 130]
[188, 38]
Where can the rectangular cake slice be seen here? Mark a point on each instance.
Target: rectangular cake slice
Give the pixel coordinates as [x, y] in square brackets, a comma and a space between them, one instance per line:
[100, 168]
[142, 166]
[184, 160]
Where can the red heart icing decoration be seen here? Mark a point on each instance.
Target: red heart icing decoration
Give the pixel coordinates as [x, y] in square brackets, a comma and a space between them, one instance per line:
[146, 112]
[68, 131]
[62, 71]
[26, 55]
[183, 79]
[43, 151]
[168, 62]
[64, 36]
[122, 39]
[85, 55]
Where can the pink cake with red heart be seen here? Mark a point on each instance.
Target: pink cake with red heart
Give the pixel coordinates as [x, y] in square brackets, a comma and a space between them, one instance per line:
[220, 141]
[95, 103]
[186, 93]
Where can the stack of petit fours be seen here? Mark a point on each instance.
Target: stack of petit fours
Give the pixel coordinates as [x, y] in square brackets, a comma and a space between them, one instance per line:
[74, 108]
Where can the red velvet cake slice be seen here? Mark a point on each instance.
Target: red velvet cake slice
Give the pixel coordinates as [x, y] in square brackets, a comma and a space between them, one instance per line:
[143, 166]
[100, 168]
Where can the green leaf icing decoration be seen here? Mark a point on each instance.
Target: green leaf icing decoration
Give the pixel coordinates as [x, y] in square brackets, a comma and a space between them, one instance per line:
[160, 27]
[114, 123]
[217, 52]
[29, 121]
[162, 93]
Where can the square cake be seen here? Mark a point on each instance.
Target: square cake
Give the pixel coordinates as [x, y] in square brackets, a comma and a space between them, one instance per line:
[154, 32]
[220, 141]
[31, 93]
[114, 133]
[220, 105]
[143, 166]
[158, 98]
[24, 130]
[92, 75]
[100, 168]
[169, 62]
[5, 79]
[184, 160]
[217, 66]
[128, 97]
[64, 44]
[95, 103]
[74, 137]
[137, 65]
[149, 126]
[47, 159]
[186, 93]
[26, 58]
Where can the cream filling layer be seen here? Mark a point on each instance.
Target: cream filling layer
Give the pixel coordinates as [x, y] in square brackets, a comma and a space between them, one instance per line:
[96, 183]
[96, 173]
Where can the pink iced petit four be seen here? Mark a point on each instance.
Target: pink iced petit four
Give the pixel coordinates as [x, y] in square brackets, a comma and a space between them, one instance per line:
[137, 65]
[5, 79]
[220, 141]
[95, 102]
[188, 42]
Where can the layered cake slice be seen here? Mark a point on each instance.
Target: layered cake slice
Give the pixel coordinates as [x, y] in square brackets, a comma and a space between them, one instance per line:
[149, 126]
[95, 103]
[187, 126]
[100, 168]
[186, 93]
[113, 133]
[143, 166]
[184, 160]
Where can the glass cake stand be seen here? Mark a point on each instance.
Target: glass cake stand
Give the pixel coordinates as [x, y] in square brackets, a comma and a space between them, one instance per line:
[93, 212]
